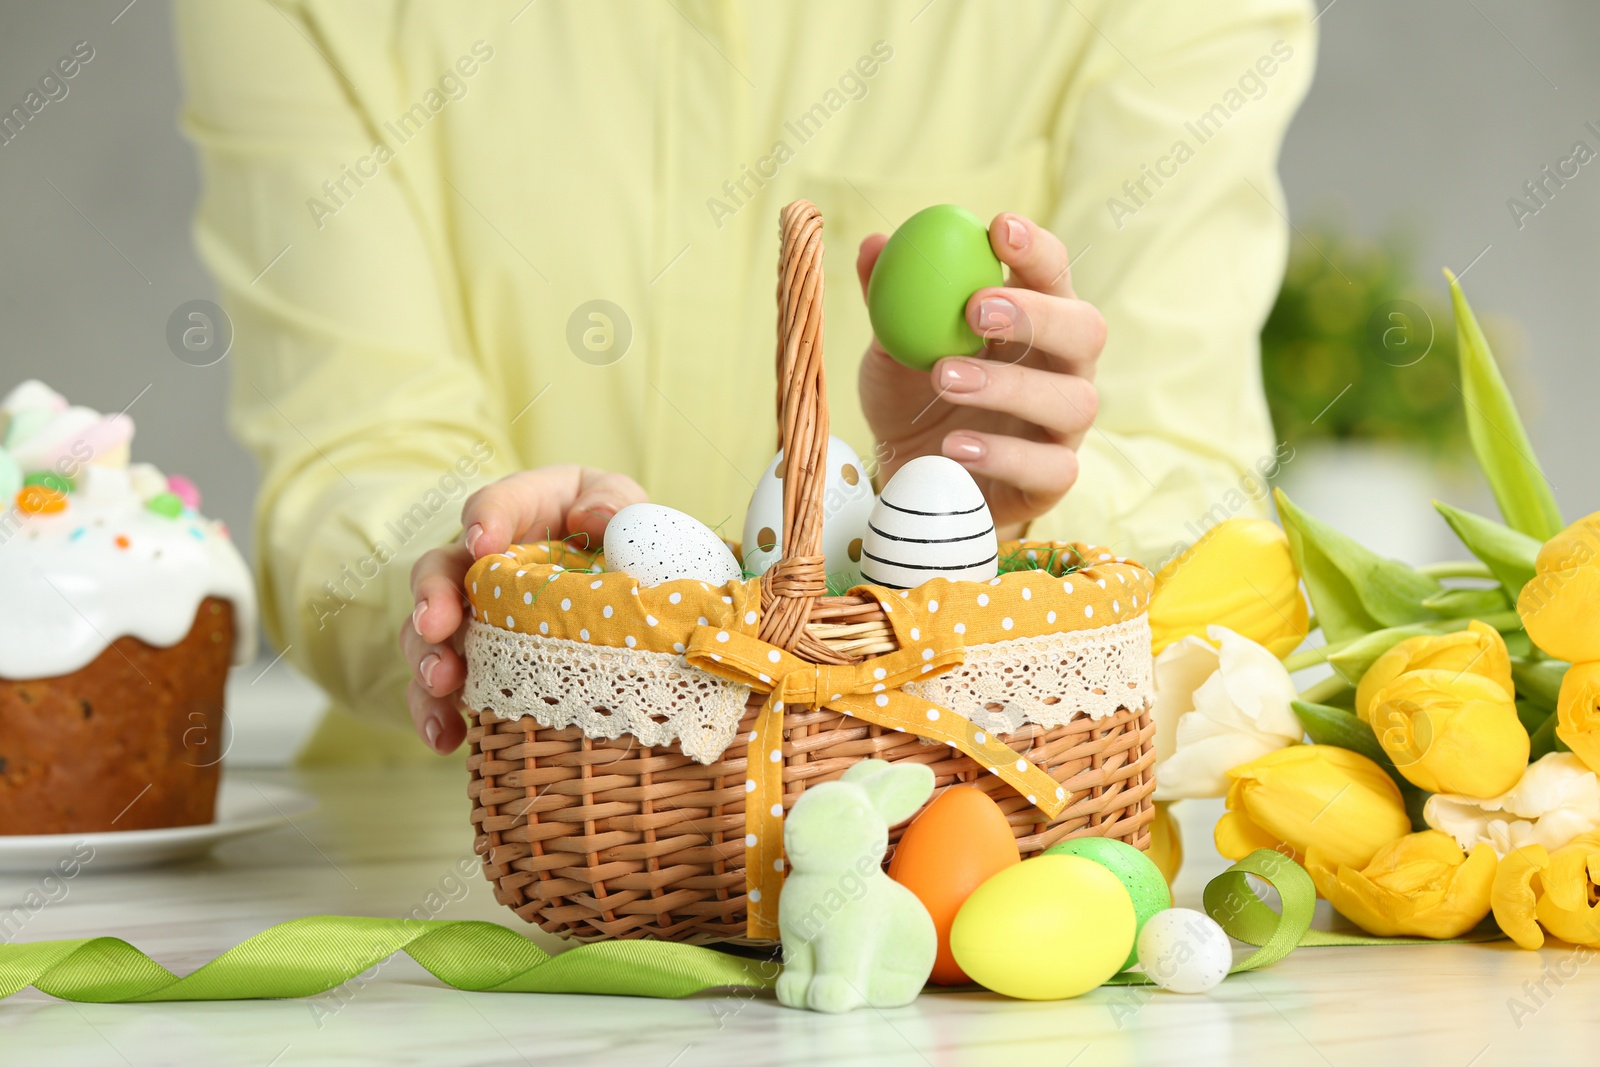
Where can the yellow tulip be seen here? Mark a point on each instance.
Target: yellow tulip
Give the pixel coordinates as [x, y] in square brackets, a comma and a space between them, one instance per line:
[1240, 575]
[1578, 713]
[1557, 604]
[1536, 888]
[1305, 795]
[1166, 842]
[1451, 732]
[1479, 649]
[1420, 885]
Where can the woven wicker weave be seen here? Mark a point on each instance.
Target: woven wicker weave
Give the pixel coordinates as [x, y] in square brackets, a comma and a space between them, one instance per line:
[596, 839]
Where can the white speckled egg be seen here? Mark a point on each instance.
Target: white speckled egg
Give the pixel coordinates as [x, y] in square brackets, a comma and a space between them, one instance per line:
[1184, 950]
[930, 522]
[658, 544]
[847, 501]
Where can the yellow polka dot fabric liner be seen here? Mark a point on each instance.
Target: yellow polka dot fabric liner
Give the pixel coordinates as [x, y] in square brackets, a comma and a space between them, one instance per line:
[552, 590]
[547, 588]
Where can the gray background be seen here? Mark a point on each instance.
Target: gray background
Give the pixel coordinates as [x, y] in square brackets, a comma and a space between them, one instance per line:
[1427, 114]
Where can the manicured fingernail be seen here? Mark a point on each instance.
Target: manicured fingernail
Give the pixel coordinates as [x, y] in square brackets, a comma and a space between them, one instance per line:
[996, 314]
[601, 511]
[964, 448]
[1016, 234]
[962, 376]
[429, 664]
[474, 532]
[416, 616]
[432, 730]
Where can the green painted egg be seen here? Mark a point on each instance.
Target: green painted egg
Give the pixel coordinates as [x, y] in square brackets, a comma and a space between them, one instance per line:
[1137, 872]
[917, 295]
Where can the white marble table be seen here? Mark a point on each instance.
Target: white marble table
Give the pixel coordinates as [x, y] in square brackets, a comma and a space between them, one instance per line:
[383, 841]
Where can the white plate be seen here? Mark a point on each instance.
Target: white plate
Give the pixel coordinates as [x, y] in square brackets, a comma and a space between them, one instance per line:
[243, 807]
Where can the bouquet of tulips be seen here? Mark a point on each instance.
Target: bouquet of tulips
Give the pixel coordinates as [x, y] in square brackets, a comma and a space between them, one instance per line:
[1450, 770]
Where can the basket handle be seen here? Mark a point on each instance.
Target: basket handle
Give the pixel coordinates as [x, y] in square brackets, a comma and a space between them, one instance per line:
[794, 583]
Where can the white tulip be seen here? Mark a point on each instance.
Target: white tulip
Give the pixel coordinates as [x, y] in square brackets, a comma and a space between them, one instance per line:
[1218, 704]
[1557, 799]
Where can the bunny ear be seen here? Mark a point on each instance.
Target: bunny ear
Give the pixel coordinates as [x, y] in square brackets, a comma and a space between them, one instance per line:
[896, 790]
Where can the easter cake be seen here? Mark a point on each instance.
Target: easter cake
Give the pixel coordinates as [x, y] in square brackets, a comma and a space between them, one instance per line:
[122, 609]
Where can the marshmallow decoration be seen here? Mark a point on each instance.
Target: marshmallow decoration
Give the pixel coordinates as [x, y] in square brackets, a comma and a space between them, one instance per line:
[930, 522]
[92, 549]
[847, 502]
[658, 544]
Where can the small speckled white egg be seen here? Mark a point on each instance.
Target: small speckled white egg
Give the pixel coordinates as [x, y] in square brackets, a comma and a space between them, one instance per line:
[1184, 951]
[931, 521]
[847, 500]
[658, 544]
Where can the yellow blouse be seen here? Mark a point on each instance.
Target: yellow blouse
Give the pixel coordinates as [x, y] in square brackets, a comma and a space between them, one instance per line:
[459, 239]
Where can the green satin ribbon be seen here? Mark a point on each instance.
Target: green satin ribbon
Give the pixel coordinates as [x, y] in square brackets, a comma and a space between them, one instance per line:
[304, 957]
[1246, 917]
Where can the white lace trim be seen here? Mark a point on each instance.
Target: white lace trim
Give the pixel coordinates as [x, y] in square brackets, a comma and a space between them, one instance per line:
[660, 698]
[655, 696]
[1048, 680]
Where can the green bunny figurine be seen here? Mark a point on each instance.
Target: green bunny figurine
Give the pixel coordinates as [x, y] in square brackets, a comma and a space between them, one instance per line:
[851, 936]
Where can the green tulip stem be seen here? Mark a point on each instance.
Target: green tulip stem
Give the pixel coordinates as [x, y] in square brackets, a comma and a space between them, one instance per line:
[1504, 621]
[1309, 657]
[1465, 568]
[1325, 690]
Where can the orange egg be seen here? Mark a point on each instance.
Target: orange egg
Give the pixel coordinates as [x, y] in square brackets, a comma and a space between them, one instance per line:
[954, 846]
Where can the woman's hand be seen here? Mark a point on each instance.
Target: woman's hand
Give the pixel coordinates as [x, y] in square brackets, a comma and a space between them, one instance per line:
[541, 504]
[1015, 414]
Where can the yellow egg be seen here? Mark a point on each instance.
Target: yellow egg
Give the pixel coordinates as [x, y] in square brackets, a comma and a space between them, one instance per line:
[1045, 929]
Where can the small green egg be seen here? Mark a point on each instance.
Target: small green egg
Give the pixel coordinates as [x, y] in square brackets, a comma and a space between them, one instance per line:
[1137, 872]
[50, 480]
[917, 295]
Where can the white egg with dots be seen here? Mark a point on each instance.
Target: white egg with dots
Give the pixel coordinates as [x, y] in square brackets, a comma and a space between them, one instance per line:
[847, 501]
[1184, 951]
[930, 521]
[656, 544]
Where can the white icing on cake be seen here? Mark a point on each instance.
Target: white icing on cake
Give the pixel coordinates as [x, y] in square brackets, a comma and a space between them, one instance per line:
[106, 565]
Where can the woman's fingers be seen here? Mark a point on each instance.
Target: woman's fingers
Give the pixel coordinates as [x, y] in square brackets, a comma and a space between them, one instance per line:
[436, 589]
[438, 668]
[437, 720]
[1068, 333]
[1041, 472]
[1062, 405]
[601, 494]
[1037, 258]
[531, 503]
[867, 257]
[546, 503]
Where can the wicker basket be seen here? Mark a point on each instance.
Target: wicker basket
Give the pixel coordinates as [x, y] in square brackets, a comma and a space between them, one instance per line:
[594, 837]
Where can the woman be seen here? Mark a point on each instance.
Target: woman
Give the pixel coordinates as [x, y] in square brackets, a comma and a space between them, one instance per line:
[533, 245]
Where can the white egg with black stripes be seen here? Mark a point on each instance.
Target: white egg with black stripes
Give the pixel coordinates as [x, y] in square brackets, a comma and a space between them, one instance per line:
[930, 521]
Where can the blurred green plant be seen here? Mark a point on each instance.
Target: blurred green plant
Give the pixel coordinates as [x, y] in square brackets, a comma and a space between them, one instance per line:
[1350, 318]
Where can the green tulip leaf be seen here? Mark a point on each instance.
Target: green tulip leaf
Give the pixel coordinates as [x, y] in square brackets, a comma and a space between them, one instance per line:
[1542, 739]
[1466, 603]
[1539, 680]
[1352, 589]
[1504, 452]
[1332, 726]
[1532, 715]
[1508, 553]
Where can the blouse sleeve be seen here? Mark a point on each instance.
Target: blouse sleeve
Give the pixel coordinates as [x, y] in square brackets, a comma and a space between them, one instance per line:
[1171, 206]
